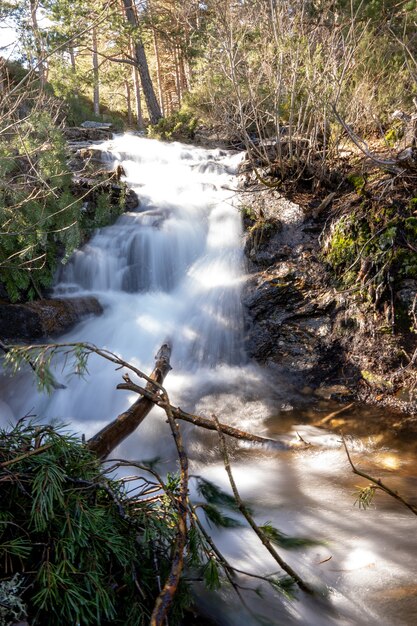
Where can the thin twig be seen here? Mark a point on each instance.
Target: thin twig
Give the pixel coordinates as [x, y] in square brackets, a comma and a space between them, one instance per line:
[378, 482]
[245, 512]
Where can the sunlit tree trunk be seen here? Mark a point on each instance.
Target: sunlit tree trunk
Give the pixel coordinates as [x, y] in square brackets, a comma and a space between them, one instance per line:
[34, 5]
[158, 70]
[96, 86]
[152, 104]
[177, 76]
[72, 58]
[129, 103]
[138, 102]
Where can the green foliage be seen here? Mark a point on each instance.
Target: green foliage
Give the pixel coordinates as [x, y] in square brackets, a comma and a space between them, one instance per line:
[79, 545]
[214, 495]
[365, 496]
[180, 125]
[284, 585]
[212, 575]
[285, 541]
[38, 212]
[42, 220]
[218, 519]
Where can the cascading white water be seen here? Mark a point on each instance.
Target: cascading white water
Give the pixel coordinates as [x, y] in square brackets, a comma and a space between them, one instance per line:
[174, 270]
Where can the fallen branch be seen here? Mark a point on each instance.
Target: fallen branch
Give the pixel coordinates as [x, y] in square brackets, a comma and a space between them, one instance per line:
[166, 596]
[103, 442]
[245, 512]
[377, 481]
[328, 418]
[198, 420]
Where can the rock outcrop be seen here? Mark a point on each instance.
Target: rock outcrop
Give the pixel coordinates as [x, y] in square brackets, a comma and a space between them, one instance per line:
[44, 318]
[331, 340]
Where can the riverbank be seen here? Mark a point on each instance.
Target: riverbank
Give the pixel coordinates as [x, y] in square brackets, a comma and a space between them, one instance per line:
[336, 337]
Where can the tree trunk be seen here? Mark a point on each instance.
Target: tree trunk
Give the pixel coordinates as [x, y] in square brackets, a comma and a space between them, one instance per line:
[72, 57]
[158, 70]
[152, 104]
[96, 89]
[129, 104]
[136, 85]
[34, 4]
[177, 76]
[114, 433]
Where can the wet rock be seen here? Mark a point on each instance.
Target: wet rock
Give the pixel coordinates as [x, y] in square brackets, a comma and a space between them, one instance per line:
[87, 134]
[333, 392]
[35, 320]
[259, 237]
[132, 201]
[89, 153]
[269, 295]
[90, 124]
[407, 292]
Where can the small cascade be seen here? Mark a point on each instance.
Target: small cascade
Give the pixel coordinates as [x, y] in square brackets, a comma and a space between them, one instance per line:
[174, 270]
[184, 243]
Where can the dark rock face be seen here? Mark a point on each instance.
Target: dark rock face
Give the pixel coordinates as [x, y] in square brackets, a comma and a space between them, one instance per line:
[335, 342]
[132, 201]
[407, 292]
[42, 318]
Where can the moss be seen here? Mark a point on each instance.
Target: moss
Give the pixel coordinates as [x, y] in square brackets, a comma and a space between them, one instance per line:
[394, 133]
[358, 181]
[342, 244]
[377, 382]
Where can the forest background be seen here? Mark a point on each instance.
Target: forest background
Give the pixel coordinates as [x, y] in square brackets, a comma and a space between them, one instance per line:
[314, 75]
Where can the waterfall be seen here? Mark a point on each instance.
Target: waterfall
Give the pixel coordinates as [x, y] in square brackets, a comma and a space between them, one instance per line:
[173, 270]
[182, 248]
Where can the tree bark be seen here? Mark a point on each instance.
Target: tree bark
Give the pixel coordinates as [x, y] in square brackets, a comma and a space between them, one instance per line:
[34, 5]
[152, 104]
[136, 84]
[104, 442]
[158, 70]
[96, 88]
[129, 104]
[72, 57]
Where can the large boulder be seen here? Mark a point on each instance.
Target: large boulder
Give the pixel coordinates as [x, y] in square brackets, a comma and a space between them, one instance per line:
[43, 318]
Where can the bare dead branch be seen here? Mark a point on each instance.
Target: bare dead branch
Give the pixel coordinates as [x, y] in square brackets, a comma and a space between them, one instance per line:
[247, 515]
[377, 481]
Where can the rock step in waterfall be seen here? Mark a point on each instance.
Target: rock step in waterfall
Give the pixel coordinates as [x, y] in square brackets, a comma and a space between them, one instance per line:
[184, 241]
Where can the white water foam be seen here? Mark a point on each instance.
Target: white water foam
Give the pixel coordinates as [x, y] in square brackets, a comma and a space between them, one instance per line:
[174, 270]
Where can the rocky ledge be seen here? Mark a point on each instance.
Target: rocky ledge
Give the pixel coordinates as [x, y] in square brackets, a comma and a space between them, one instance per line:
[332, 343]
[44, 318]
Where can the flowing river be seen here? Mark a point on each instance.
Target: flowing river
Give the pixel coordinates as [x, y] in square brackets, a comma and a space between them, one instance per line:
[174, 270]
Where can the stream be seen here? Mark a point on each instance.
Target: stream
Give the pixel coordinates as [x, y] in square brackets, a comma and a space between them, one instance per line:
[174, 271]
